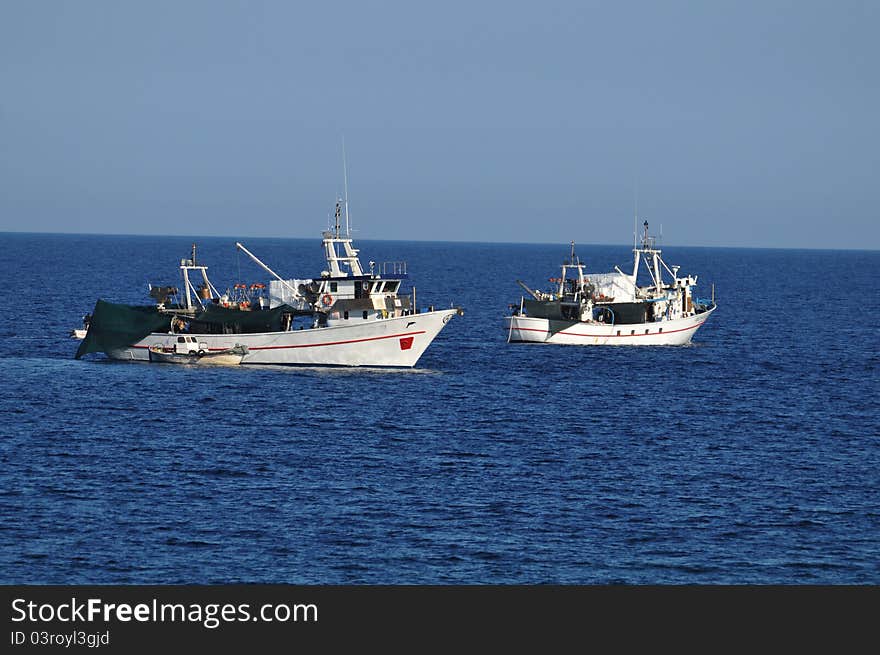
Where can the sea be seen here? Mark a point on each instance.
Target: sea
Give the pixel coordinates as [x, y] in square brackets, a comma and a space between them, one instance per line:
[751, 456]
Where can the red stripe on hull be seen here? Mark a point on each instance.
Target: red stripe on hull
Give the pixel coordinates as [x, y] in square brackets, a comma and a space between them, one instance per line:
[314, 345]
[605, 336]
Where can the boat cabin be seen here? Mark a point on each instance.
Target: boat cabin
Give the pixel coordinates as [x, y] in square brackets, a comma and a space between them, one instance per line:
[186, 344]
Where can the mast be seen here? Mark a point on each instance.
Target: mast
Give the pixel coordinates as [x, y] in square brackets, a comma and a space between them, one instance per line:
[187, 265]
[345, 183]
[186, 276]
[653, 266]
[580, 270]
[331, 239]
[635, 213]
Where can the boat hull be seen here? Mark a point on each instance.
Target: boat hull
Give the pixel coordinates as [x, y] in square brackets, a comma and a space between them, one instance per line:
[392, 342]
[677, 332]
[210, 359]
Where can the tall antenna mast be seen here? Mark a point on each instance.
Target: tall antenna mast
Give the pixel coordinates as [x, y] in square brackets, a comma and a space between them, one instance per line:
[345, 178]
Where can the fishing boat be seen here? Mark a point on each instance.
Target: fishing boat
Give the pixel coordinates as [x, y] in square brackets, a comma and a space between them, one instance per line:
[612, 309]
[187, 349]
[347, 316]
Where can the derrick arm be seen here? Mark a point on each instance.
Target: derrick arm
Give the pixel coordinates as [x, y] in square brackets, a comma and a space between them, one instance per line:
[533, 294]
[296, 294]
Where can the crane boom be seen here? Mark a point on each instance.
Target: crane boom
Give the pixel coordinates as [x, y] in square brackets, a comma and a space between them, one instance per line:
[533, 294]
[247, 252]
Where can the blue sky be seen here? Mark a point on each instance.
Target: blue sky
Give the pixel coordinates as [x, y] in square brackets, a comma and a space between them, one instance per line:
[740, 123]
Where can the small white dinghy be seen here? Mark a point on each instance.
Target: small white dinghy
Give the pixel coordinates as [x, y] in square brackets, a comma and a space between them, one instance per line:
[80, 333]
[188, 350]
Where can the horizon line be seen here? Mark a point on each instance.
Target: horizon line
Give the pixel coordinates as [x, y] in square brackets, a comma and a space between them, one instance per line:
[512, 243]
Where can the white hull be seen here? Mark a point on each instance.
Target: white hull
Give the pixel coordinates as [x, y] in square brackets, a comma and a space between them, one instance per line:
[677, 332]
[207, 360]
[397, 342]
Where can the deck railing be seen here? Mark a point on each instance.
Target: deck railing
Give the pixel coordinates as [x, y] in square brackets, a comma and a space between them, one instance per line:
[392, 268]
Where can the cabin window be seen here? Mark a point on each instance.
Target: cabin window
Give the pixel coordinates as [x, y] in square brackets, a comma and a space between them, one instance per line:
[646, 331]
[181, 340]
[345, 315]
[333, 287]
[618, 333]
[366, 313]
[661, 329]
[632, 332]
[390, 286]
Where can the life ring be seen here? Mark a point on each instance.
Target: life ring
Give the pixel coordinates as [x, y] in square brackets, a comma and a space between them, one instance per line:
[327, 300]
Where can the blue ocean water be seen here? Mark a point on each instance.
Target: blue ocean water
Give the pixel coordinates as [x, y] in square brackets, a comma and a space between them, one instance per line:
[752, 456]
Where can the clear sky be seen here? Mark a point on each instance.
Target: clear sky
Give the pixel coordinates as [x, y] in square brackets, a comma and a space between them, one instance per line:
[741, 123]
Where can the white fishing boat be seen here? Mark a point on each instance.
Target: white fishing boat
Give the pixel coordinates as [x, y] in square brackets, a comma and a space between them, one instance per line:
[347, 316]
[612, 309]
[186, 349]
[80, 333]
